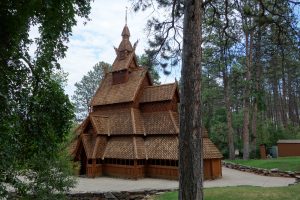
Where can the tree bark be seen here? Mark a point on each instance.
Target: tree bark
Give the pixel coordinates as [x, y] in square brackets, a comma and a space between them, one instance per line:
[246, 101]
[258, 72]
[230, 138]
[283, 99]
[190, 138]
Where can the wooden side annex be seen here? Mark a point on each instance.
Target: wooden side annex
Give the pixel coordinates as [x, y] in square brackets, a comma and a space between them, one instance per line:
[288, 148]
[132, 129]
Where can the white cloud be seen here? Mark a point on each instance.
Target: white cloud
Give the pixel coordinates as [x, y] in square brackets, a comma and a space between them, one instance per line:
[94, 41]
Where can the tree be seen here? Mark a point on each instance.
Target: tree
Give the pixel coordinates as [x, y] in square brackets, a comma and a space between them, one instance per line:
[190, 138]
[35, 113]
[86, 88]
[252, 66]
[146, 61]
[219, 51]
[166, 34]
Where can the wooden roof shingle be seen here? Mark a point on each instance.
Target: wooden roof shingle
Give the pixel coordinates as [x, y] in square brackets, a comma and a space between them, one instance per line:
[210, 151]
[162, 147]
[158, 93]
[125, 148]
[108, 93]
[89, 141]
[159, 123]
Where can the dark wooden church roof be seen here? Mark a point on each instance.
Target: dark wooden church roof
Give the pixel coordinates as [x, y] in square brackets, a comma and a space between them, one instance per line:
[158, 93]
[119, 93]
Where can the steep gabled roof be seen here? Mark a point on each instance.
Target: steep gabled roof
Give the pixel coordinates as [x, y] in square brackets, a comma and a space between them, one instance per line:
[100, 146]
[210, 151]
[100, 124]
[125, 148]
[158, 93]
[89, 141]
[160, 123]
[162, 147]
[122, 64]
[137, 121]
[108, 93]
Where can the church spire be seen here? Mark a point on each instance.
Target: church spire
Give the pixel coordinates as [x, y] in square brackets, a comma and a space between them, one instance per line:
[125, 33]
[126, 16]
[125, 52]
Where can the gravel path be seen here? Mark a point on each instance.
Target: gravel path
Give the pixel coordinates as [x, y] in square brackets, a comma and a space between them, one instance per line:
[230, 177]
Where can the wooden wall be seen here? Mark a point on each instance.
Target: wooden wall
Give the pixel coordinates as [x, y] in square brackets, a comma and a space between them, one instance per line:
[124, 171]
[94, 170]
[165, 172]
[212, 170]
[159, 106]
[119, 77]
[288, 149]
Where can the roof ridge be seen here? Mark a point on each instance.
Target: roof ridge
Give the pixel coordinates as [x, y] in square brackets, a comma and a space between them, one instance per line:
[98, 115]
[134, 147]
[173, 121]
[140, 85]
[95, 147]
[98, 89]
[133, 121]
[84, 145]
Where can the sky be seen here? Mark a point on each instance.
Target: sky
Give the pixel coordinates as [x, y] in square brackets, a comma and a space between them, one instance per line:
[94, 41]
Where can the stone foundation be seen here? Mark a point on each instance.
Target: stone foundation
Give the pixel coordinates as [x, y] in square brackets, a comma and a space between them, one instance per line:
[139, 195]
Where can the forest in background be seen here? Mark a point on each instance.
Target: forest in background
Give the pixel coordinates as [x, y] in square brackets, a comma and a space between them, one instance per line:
[250, 68]
[251, 74]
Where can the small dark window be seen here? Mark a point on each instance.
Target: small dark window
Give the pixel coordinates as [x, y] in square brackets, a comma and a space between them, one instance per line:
[99, 161]
[90, 161]
[168, 163]
[173, 163]
[131, 162]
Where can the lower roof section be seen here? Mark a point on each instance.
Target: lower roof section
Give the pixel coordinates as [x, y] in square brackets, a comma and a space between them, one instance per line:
[138, 147]
[128, 121]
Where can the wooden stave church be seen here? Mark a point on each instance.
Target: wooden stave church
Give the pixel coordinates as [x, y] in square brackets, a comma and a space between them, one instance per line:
[133, 127]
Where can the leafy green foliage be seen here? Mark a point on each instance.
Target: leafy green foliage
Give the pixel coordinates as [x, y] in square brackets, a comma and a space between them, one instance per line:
[86, 89]
[35, 113]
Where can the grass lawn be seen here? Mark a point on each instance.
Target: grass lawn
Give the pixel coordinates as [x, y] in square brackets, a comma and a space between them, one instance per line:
[244, 193]
[283, 163]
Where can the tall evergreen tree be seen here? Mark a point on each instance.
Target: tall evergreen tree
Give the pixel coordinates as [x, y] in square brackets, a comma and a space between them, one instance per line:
[86, 89]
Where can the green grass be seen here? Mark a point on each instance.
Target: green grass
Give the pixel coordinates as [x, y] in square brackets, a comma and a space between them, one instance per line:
[284, 163]
[244, 193]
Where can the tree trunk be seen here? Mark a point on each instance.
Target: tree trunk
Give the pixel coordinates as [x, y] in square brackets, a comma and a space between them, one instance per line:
[230, 138]
[246, 101]
[283, 99]
[190, 138]
[258, 72]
